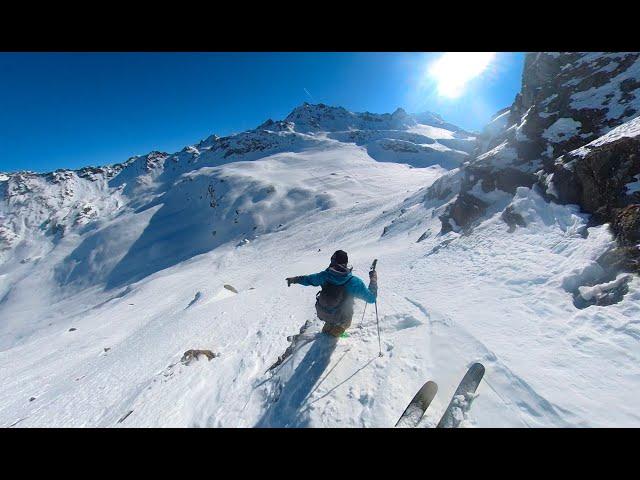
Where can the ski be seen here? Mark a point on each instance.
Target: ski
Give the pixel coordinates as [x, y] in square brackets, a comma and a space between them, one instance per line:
[418, 405]
[462, 398]
[297, 342]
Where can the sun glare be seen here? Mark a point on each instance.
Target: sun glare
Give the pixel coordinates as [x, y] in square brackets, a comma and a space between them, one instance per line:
[453, 70]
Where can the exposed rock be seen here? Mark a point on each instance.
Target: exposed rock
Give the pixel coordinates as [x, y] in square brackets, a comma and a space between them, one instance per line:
[439, 192]
[465, 210]
[557, 135]
[440, 246]
[424, 236]
[94, 173]
[626, 226]
[512, 218]
[596, 181]
[602, 294]
[155, 160]
[506, 179]
[230, 288]
[86, 214]
[621, 259]
[191, 355]
[8, 237]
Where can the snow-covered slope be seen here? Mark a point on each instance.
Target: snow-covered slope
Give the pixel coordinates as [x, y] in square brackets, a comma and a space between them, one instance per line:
[108, 277]
[105, 208]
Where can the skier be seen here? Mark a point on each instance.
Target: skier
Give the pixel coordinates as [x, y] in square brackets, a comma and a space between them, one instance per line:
[334, 303]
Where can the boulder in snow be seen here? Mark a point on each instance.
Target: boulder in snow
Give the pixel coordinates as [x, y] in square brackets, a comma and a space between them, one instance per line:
[191, 355]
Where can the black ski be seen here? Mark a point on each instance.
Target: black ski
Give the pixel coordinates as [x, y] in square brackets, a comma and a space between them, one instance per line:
[416, 408]
[463, 397]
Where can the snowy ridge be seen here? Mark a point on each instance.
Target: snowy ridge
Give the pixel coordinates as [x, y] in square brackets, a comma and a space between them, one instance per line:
[73, 198]
[320, 117]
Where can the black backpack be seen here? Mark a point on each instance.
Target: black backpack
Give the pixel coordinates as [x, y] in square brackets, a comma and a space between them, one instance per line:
[333, 304]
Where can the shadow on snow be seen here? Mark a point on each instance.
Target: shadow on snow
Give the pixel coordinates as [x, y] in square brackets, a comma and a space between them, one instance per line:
[286, 411]
[291, 408]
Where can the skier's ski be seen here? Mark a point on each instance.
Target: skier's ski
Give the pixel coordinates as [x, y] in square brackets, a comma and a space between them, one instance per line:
[462, 398]
[296, 342]
[416, 408]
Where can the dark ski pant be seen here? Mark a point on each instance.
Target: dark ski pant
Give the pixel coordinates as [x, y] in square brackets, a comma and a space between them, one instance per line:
[336, 329]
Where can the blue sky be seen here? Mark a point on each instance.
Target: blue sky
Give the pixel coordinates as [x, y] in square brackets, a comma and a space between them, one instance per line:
[67, 110]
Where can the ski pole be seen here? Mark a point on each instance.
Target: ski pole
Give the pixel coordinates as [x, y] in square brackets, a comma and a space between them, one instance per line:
[363, 312]
[378, 325]
[373, 269]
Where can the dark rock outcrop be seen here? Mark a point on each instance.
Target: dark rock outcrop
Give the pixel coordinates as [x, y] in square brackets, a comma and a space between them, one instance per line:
[554, 136]
[626, 225]
[512, 218]
[230, 288]
[596, 181]
[506, 179]
[464, 211]
[191, 355]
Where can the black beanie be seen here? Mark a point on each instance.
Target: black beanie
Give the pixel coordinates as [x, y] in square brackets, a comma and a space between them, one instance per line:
[340, 258]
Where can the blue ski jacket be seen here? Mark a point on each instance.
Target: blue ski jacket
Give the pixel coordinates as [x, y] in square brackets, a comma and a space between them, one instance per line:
[354, 285]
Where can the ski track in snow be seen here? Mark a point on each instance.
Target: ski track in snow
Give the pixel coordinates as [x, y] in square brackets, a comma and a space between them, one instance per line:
[490, 296]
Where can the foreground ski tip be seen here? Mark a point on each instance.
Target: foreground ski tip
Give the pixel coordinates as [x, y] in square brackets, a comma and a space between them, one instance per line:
[462, 398]
[418, 405]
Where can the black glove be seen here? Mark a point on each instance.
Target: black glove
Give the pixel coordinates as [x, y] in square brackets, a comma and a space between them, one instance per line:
[373, 276]
[291, 280]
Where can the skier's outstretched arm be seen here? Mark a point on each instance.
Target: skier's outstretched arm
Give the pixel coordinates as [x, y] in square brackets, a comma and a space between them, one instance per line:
[315, 279]
[368, 294]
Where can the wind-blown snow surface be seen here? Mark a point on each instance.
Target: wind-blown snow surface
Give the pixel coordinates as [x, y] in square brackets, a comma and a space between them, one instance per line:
[93, 330]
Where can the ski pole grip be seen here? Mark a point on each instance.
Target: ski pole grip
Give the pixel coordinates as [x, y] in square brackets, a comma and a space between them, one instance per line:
[373, 265]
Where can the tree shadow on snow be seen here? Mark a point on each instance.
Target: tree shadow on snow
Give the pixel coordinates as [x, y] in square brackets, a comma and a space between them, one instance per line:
[287, 410]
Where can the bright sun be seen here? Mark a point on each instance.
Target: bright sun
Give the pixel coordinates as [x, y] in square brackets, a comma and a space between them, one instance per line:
[453, 70]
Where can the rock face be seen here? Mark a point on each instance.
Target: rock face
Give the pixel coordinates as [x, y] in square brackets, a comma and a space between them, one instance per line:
[569, 99]
[512, 218]
[626, 225]
[596, 180]
[573, 132]
[321, 117]
[462, 213]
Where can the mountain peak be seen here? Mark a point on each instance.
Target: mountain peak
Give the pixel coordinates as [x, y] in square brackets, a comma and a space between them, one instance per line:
[318, 117]
[313, 109]
[399, 112]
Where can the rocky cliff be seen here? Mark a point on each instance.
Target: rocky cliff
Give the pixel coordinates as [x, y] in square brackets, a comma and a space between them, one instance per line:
[573, 133]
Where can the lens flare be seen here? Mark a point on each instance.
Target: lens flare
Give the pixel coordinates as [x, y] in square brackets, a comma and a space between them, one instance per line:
[453, 70]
